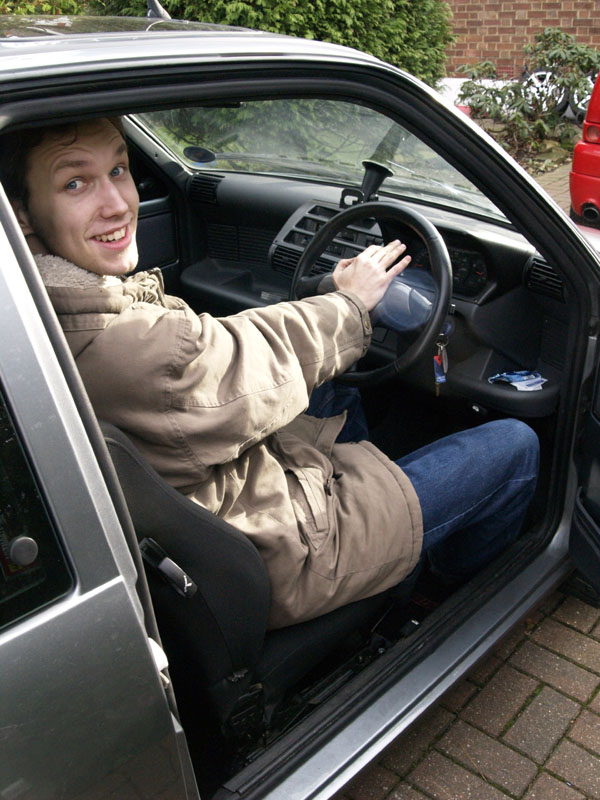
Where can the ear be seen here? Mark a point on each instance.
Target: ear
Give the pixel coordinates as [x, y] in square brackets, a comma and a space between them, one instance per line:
[22, 217]
[36, 245]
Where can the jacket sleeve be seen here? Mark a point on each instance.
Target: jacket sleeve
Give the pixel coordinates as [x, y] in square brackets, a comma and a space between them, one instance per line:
[220, 385]
[253, 372]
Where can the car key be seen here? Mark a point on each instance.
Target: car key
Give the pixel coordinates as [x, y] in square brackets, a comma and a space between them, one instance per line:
[440, 362]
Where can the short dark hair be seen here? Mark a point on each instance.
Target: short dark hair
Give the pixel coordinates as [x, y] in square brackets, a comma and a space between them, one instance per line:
[16, 146]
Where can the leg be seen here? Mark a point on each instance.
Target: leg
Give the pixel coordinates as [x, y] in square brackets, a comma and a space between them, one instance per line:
[474, 488]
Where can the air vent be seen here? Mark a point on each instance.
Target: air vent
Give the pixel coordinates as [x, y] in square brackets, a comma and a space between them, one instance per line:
[542, 279]
[222, 242]
[321, 267]
[255, 244]
[285, 259]
[299, 230]
[203, 188]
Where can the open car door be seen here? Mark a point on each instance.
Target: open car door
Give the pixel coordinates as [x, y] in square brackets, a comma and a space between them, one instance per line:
[584, 543]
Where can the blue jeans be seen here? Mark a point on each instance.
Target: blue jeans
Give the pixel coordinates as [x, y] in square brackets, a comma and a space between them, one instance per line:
[334, 398]
[473, 486]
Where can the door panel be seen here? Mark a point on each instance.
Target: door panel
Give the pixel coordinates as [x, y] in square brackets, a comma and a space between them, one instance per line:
[156, 238]
[584, 543]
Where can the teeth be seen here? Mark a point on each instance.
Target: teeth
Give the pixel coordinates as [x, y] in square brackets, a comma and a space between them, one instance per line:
[112, 237]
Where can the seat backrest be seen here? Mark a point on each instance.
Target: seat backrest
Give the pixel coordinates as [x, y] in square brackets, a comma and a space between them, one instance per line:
[217, 633]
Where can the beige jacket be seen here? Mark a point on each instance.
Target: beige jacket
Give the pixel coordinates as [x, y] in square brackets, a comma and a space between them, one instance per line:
[216, 406]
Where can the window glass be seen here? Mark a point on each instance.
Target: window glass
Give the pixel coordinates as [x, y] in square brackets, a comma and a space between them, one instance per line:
[318, 139]
[33, 570]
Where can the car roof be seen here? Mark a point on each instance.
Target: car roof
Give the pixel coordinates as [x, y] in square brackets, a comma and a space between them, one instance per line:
[31, 46]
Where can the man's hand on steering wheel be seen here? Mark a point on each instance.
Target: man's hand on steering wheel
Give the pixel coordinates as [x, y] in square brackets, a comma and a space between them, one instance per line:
[369, 274]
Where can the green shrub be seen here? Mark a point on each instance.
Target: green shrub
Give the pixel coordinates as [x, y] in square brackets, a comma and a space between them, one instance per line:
[525, 116]
[41, 7]
[412, 34]
[571, 63]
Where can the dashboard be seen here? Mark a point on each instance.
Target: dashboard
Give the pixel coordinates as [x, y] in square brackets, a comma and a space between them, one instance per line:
[469, 263]
[241, 237]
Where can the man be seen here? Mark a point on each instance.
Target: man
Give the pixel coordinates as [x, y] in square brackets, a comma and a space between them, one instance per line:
[216, 404]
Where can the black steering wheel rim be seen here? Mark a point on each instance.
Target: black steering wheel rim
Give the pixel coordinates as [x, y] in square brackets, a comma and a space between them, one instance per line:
[441, 270]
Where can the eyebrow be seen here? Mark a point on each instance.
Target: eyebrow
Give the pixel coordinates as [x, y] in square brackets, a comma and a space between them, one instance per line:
[70, 164]
[78, 163]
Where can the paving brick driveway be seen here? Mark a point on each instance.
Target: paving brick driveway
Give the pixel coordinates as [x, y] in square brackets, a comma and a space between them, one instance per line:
[524, 724]
[556, 183]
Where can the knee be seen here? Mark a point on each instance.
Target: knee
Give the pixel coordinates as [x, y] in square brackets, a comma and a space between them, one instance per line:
[520, 442]
[523, 437]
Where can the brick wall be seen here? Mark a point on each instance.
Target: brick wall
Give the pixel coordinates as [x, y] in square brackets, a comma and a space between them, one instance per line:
[496, 30]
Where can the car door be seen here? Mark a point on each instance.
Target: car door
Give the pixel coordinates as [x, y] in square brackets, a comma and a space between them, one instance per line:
[83, 710]
[584, 543]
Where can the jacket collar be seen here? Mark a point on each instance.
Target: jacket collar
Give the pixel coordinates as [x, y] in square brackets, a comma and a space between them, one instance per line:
[74, 290]
[57, 271]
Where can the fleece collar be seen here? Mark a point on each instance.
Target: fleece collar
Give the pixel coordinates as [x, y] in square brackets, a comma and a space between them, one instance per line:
[58, 272]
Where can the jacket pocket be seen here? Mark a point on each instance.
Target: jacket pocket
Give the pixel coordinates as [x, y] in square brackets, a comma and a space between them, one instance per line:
[310, 501]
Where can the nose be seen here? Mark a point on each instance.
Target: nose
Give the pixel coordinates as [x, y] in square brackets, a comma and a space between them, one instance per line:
[112, 200]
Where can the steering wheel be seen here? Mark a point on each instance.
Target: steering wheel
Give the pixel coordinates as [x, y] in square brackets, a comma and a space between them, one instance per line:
[399, 302]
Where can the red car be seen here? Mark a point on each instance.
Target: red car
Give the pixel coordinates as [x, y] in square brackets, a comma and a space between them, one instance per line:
[584, 179]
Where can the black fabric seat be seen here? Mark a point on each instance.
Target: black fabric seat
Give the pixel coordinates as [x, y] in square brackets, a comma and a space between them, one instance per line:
[217, 641]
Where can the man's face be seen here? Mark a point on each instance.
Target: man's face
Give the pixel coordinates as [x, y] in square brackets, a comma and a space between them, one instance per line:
[83, 202]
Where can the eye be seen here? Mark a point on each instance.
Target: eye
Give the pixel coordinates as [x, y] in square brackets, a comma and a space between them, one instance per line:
[74, 184]
[116, 172]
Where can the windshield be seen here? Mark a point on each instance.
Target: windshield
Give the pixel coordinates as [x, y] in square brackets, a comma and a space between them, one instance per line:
[320, 139]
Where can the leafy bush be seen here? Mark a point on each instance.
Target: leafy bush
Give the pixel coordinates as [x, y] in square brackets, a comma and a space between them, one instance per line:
[412, 34]
[570, 63]
[41, 7]
[525, 115]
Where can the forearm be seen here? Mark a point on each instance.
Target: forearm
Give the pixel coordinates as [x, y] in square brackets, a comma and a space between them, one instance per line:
[324, 334]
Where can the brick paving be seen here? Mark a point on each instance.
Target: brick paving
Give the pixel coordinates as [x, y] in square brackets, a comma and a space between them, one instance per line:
[525, 723]
[556, 183]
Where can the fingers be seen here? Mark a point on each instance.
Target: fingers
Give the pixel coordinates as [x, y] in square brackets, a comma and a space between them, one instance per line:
[373, 269]
[377, 253]
[399, 266]
[389, 261]
[391, 252]
[382, 255]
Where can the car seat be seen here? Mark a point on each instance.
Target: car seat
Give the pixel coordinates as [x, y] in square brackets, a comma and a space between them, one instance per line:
[211, 595]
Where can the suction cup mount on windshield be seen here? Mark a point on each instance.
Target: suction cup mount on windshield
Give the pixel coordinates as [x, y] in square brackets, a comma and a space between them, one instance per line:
[199, 155]
[375, 174]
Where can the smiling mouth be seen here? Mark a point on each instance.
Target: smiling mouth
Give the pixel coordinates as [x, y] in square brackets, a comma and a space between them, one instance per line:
[115, 236]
